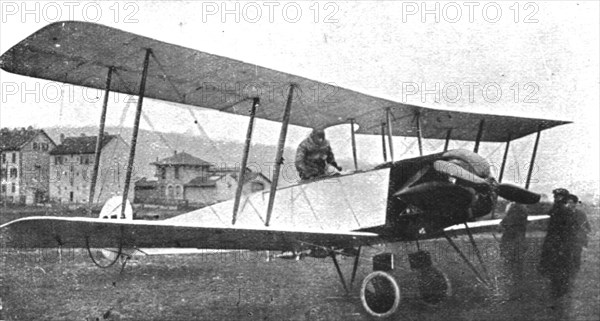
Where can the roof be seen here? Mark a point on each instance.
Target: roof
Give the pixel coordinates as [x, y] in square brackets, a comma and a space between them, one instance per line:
[181, 159]
[203, 181]
[81, 53]
[144, 182]
[80, 145]
[14, 139]
[250, 175]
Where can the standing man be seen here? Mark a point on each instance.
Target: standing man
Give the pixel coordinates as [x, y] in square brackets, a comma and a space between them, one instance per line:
[581, 229]
[513, 247]
[561, 249]
[314, 157]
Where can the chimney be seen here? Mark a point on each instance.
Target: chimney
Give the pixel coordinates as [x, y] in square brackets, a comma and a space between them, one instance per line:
[62, 138]
[82, 135]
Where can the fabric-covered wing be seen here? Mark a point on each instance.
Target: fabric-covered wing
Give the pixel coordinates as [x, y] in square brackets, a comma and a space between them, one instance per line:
[81, 53]
[43, 231]
[436, 123]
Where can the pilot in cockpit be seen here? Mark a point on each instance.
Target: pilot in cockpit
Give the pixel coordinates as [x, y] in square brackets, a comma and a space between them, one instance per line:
[314, 157]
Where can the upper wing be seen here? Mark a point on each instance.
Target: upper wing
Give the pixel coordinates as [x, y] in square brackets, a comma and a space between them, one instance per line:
[486, 226]
[81, 53]
[44, 231]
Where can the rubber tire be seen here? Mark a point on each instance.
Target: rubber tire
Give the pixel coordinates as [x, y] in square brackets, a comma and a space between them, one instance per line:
[392, 286]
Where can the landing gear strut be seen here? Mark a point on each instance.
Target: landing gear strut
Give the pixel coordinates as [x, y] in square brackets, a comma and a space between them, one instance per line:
[380, 293]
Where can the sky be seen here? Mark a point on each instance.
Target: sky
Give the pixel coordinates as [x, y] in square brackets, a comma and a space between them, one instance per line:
[534, 59]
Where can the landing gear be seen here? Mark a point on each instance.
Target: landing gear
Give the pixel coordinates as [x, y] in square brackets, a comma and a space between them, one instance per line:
[434, 285]
[380, 294]
[104, 257]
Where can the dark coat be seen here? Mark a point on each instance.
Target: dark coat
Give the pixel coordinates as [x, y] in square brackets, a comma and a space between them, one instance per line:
[561, 251]
[312, 158]
[514, 225]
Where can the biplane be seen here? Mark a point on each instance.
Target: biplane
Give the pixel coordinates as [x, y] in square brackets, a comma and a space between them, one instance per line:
[425, 197]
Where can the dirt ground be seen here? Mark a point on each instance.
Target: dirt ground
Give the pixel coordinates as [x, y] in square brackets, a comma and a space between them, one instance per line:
[38, 285]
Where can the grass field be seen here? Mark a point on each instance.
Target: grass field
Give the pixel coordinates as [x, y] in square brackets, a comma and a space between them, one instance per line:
[35, 285]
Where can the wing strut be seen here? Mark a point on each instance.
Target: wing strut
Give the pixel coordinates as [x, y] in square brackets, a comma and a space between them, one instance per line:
[479, 134]
[136, 126]
[383, 142]
[419, 134]
[353, 143]
[99, 140]
[279, 157]
[535, 147]
[238, 191]
[501, 175]
[388, 114]
[448, 134]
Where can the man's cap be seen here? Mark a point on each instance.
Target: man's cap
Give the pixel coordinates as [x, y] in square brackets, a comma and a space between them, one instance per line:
[560, 191]
[573, 197]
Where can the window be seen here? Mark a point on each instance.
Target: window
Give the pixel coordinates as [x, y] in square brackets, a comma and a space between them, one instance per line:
[44, 146]
[2, 173]
[176, 172]
[3, 158]
[58, 160]
[170, 191]
[14, 157]
[13, 187]
[3, 188]
[38, 171]
[163, 173]
[14, 173]
[35, 146]
[178, 191]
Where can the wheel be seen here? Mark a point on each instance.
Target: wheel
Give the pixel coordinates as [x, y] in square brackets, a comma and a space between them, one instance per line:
[434, 285]
[107, 256]
[380, 294]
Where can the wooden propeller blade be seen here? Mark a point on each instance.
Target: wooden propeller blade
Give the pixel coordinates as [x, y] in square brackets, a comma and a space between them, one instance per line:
[518, 194]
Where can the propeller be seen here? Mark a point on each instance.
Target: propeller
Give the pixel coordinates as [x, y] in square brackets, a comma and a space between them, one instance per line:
[510, 192]
[518, 194]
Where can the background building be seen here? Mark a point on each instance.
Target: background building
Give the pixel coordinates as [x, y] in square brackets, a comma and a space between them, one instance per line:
[72, 164]
[24, 166]
[183, 179]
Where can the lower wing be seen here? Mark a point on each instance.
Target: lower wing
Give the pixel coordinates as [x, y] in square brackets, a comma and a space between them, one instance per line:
[36, 232]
